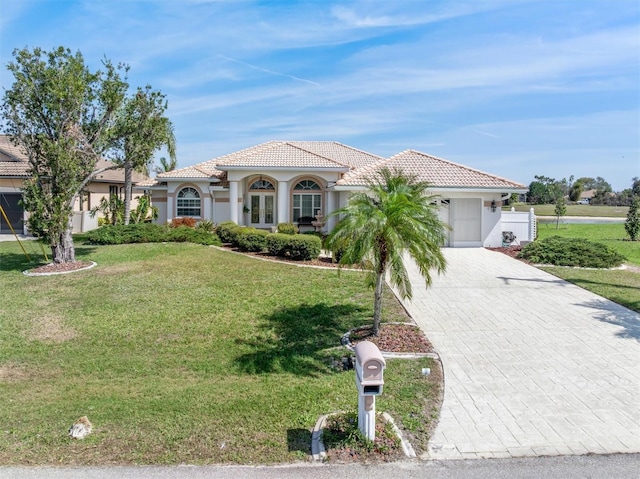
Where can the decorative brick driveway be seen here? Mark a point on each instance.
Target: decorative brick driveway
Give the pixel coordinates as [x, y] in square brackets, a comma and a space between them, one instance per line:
[533, 365]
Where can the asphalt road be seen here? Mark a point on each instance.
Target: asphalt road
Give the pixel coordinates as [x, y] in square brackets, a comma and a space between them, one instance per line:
[615, 466]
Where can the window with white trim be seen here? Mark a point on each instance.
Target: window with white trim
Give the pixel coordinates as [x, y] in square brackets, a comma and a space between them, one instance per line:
[188, 203]
[306, 203]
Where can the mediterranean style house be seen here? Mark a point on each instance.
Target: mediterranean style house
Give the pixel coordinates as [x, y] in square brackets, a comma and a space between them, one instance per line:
[303, 181]
[14, 170]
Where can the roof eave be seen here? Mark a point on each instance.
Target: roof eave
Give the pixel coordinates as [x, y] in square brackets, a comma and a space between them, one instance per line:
[480, 189]
[342, 169]
[189, 178]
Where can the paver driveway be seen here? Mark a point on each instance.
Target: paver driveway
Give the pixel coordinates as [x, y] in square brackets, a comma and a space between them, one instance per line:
[533, 365]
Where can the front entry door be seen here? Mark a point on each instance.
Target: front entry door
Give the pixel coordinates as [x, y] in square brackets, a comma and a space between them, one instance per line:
[262, 210]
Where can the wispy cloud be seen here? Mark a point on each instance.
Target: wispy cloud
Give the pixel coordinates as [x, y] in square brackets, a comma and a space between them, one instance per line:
[270, 72]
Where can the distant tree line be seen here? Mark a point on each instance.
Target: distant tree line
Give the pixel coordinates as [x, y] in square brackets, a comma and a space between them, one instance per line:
[544, 190]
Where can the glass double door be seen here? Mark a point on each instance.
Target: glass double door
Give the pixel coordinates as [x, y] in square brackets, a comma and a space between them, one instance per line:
[261, 211]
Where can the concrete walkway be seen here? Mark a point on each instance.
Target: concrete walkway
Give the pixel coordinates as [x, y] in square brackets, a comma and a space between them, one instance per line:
[533, 365]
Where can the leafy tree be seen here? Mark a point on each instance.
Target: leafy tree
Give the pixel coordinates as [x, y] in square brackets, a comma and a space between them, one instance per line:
[602, 185]
[166, 165]
[560, 210]
[598, 183]
[544, 190]
[142, 130]
[377, 227]
[576, 191]
[62, 115]
[635, 186]
[632, 224]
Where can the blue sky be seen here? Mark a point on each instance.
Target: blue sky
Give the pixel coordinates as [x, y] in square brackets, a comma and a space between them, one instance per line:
[516, 88]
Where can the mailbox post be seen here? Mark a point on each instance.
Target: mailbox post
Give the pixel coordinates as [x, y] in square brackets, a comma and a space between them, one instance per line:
[369, 380]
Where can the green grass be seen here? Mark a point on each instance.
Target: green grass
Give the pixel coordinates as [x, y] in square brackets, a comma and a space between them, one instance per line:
[621, 286]
[181, 353]
[575, 210]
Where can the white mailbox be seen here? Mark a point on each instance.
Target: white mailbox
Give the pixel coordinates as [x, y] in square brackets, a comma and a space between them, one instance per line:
[369, 369]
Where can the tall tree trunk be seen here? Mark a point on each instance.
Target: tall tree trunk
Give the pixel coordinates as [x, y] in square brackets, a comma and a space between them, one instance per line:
[64, 251]
[128, 170]
[377, 302]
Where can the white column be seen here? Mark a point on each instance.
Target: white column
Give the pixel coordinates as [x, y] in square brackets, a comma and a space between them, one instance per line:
[171, 210]
[233, 201]
[212, 205]
[328, 209]
[283, 202]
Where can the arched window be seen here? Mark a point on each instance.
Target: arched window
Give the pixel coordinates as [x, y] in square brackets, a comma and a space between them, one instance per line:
[262, 185]
[307, 185]
[305, 203]
[188, 202]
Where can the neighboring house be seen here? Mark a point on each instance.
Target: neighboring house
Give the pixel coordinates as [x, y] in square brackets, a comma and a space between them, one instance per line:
[300, 181]
[14, 170]
[587, 196]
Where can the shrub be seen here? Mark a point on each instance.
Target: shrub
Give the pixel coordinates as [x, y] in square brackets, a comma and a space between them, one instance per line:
[234, 233]
[251, 239]
[287, 228]
[148, 233]
[632, 223]
[277, 244]
[304, 247]
[206, 225]
[185, 234]
[560, 251]
[297, 247]
[186, 221]
[122, 234]
[223, 230]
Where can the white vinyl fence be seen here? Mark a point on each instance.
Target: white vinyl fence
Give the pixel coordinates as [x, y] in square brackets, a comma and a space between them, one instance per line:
[521, 224]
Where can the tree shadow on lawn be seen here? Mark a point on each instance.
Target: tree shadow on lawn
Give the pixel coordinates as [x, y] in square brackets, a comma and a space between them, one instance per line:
[19, 262]
[16, 262]
[627, 320]
[297, 338]
[299, 440]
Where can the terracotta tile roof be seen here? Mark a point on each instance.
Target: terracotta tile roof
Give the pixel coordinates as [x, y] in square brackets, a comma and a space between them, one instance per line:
[436, 171]
[15, 163]
[292, 154]
[14, 169]
[279, 154]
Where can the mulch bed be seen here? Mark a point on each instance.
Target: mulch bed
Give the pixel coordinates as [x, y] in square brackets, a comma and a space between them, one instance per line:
[60, 267]
[394, 338]
[508, 250]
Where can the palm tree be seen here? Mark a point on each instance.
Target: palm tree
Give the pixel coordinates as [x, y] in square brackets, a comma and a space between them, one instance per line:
[166, 165]
[377, 227]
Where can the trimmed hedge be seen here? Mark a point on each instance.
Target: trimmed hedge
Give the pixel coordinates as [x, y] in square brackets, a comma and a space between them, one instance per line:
[304, 247]
[223, 230]
[287, 228]
[296, 247]
[148, 233]
[560, 251]
[251, 239]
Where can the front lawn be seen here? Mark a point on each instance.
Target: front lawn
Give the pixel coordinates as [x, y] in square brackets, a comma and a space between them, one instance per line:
[181, 353]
